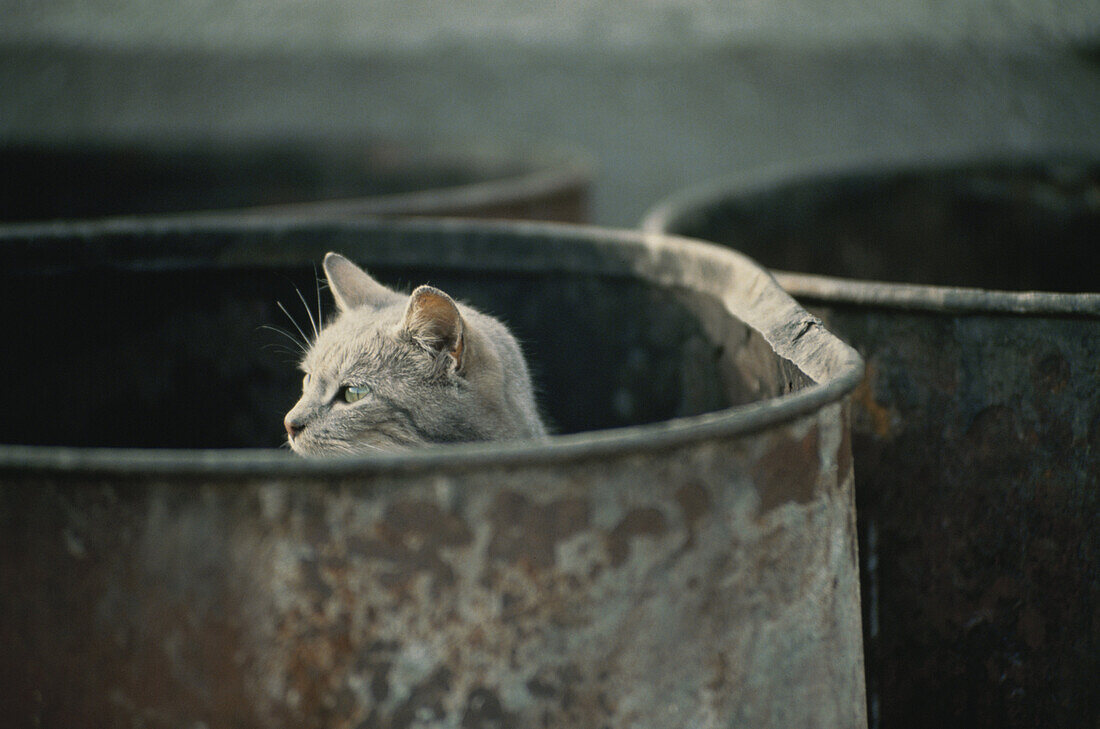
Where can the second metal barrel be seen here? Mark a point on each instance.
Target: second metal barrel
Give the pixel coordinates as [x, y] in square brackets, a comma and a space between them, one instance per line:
[977, 429]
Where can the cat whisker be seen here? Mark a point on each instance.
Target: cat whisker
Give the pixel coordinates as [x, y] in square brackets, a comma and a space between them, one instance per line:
[279, 348]
[305, 338]
[294, 361]
[356, 448]
[297, 343]
[301, 347]
[317, 286]
[312, 321]
[295, 357]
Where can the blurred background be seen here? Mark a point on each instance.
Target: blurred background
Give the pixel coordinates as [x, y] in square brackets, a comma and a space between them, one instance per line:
[659, 94]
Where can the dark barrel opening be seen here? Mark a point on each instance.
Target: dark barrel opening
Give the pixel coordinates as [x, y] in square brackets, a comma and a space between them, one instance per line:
[1006, 226]
[71, 181]
[166, 348]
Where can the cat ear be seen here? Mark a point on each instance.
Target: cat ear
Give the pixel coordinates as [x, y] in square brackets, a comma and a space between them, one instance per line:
[352, 286]
[433, 320]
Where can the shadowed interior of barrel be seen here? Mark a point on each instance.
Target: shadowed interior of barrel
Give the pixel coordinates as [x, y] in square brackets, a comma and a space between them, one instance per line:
[178, 358]
[1014, 228]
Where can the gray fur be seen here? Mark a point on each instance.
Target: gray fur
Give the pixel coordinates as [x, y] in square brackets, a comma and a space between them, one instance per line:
[438, 371]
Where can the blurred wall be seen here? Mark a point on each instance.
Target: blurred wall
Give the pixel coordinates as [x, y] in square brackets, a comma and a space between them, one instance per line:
[661, 94]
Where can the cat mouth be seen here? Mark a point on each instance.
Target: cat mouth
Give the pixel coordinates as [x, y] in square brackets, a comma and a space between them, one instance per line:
[304, 445]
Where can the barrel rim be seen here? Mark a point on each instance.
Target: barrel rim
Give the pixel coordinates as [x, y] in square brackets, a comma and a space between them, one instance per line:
[542, 171]
[747, 292]
[665, 216]
[545, 172]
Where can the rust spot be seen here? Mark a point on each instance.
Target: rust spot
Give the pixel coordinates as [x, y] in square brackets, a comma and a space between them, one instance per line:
[484, 711]
[511, 606]
[693, 500]
[425, 702]
[993, 441]
[314, 529]
[212, 684]
[1051, 374]
[541, 689]
[637, 522]
[877, 415]
[721, 669]
[312, 579]
[528, 532]
[409, 537]
[844, 453]
[579, 700]
[377, 662]
[425, 522]
[788, 471]
[315, 650]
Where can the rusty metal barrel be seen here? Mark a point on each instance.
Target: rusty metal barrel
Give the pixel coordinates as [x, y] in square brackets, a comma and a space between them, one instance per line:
[976, 434]
[291, 177]
[682, 553]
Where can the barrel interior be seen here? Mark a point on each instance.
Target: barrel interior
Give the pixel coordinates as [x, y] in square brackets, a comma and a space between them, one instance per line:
[79, 182]
[1011, 227]
[176, 355]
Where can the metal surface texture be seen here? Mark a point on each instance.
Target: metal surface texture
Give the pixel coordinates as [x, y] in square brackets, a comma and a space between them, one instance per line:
[976, 433]
[331, 178]
[682, 553]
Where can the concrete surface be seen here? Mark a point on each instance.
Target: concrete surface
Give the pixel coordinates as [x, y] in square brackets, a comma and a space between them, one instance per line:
[392, 25]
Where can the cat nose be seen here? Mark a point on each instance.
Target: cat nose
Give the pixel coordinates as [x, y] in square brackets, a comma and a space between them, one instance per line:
[293, 427]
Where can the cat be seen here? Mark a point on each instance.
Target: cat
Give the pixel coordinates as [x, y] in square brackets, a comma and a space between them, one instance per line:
[394, 371]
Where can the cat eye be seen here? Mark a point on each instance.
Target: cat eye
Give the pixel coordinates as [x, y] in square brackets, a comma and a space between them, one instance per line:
[351, 393]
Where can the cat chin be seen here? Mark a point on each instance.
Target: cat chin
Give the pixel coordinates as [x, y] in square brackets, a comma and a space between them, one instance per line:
[299, 448]
[311, 449]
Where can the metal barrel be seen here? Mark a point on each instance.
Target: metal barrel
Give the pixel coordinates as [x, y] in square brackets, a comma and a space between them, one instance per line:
[976, 433]
[330, 177]
[681, 554]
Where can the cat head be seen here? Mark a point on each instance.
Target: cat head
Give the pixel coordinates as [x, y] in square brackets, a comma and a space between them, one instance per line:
[394, 370]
